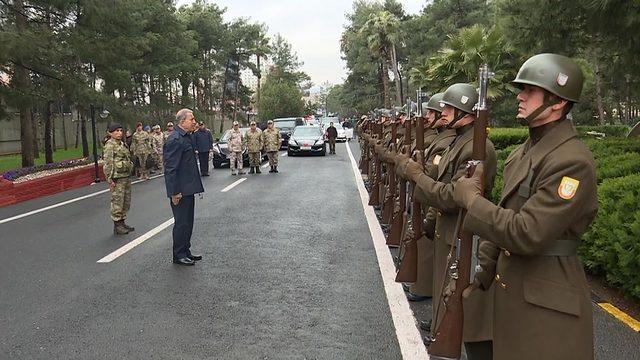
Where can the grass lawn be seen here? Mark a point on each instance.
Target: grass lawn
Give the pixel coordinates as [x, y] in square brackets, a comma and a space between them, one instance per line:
[9, 162]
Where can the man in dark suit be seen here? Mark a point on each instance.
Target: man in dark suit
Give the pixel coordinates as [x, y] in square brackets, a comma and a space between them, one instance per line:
[332, 135]
[204, 144]
[182, 180]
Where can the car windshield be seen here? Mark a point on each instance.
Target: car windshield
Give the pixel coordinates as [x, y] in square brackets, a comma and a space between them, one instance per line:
[285, 123]
[306, 132]
[227, 134]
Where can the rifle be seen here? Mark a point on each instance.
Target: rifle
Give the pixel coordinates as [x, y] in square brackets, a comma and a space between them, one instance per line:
[400, 218]
[374, 199]
[364, 156]
[390, 199]
[446, 341]
[408, 270]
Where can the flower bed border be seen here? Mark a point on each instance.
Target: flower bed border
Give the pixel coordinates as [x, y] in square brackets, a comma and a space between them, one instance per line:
[13, 193]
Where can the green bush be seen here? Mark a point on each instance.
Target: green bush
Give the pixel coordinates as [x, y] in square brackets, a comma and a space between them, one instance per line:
[505, 137]
[617, 165]
[609, 130]
[611, 246]
[612, 146]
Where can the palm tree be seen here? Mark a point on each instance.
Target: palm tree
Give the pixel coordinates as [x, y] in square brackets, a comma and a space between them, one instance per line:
[460, 58]
[382, 31]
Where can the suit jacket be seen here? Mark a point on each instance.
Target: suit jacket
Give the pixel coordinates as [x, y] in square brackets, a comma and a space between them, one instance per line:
[181, 175]
[542, 301]
[203, 140]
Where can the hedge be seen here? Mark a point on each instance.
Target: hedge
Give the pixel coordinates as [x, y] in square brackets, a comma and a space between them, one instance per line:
[505, 137]
[609, 130]
[617, 165]
[612, 244]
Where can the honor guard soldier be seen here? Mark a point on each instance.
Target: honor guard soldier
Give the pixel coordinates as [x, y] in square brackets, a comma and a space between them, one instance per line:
[542, 309]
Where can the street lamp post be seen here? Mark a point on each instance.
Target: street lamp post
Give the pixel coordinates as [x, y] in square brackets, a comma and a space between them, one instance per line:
[103, 115]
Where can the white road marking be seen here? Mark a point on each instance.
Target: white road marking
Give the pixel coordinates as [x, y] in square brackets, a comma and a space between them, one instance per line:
[284, 154]
[67, 202]
[146, 236]
[409, 339]
[236, 183]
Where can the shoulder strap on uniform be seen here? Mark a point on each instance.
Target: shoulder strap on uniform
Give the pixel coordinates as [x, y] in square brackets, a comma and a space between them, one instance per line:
[526, 187]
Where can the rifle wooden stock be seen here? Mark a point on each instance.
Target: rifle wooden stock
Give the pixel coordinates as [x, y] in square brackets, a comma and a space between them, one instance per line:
[390, 199]
[399, 220]
[374, 198]
[408, 271]
[364, 168]
[447, 339]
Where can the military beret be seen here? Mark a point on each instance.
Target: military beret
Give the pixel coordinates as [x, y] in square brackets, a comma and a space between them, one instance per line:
[113, 127]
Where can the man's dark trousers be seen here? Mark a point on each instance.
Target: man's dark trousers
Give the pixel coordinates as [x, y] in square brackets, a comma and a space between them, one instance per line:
[203, 157]
[183, 214]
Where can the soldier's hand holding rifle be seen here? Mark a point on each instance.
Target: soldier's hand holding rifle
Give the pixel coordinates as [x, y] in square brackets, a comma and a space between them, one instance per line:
[413, 170]
[466, 189]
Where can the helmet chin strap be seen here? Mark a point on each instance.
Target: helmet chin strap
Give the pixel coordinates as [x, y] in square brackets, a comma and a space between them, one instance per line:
[548, 101]
[457, 115]
[437, 117]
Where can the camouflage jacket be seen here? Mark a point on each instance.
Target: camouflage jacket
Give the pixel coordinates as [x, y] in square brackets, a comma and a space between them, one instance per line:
[141, 143]
[117, 161]
[253, 140]
[158, 142]
[271, 139]
[235, 141]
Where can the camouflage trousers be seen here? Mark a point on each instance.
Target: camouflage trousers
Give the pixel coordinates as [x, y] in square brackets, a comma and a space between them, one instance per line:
[142, 160]
[273, 158]
[121, 199]
[254, 158]
[235, 161]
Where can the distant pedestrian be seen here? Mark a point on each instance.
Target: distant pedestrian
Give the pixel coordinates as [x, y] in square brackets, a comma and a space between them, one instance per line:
[117, 171]
[203, 146]
[168, 130]
[183, 181]
[272, 140]
[157, 138]
[332, 135]
[253, 142]
[141, 148]
[235, 144]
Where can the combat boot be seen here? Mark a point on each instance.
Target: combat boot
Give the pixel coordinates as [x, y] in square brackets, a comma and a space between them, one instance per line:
[252, 171]
[258, 170]
[119, 229]
[130, 228]
[275, 169]
[271, 171]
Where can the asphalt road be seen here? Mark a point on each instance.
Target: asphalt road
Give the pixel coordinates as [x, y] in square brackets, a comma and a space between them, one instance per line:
[289, 272]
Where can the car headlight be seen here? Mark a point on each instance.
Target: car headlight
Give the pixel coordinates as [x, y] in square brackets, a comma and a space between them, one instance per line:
[320, 142]
[293, 142]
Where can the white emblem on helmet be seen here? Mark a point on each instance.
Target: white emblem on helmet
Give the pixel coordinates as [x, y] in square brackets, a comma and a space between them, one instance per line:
[562, 79]
[464, 99]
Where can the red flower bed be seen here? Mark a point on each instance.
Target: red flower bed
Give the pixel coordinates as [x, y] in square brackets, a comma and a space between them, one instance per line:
[11, 193]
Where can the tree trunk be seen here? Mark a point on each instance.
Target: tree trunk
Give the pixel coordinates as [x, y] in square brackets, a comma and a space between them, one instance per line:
[77, 129]
[34, 127]
[64, 128]
[385, 83]
[83, 133]
[21, 83]
[224, 93]
[627, 100]
[258, 87]
[48, 150]
[599, 101]
[396, 75]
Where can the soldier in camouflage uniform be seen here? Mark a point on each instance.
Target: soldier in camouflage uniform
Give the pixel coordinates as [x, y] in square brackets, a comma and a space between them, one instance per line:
[117, 169]
[253, 142]
[141, 148]
[236, 144]
[157, 138]
[272, 140]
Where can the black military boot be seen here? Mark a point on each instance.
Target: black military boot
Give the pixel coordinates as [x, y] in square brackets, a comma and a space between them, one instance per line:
[119, 229]
[258, 170]
[271, 171]
[130, 228]
[252, 171]
[275, 169]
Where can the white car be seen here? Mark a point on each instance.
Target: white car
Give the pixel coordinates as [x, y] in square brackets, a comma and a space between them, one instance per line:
[342, 133]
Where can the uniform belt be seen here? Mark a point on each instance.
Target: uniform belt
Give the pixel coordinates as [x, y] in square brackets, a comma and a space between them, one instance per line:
[561, 248]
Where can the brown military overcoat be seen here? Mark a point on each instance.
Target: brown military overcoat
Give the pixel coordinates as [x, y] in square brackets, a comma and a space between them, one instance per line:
[542, 304]
[451, 167]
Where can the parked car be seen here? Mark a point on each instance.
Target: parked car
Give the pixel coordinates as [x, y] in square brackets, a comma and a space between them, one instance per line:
[286, 126]
[221, 151]
[307, 139]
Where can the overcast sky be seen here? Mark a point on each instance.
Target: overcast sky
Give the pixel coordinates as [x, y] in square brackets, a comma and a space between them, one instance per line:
[313, 28]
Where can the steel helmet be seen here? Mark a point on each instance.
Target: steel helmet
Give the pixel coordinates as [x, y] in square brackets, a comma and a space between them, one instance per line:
[435, 103]
[461, 96]
[555, 73]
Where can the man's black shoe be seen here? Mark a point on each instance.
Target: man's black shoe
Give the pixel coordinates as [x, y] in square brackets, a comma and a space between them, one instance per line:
[195, 257]
[205, 174]
[406, 287]
[184, 261]
[413, 297]
[425, 325]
